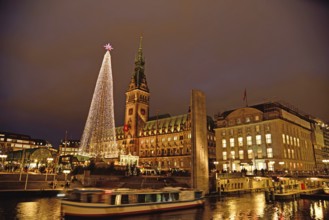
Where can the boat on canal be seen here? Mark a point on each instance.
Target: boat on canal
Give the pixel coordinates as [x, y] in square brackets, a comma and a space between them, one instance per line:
[326, 187]
[96, 202]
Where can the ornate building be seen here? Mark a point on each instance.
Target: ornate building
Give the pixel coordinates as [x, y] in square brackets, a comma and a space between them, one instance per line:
[162, 141]
[268, 136]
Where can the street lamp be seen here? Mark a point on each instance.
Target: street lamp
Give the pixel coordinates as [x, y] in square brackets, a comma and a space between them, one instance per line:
[49, 160]
[3, 156]
[66, 172]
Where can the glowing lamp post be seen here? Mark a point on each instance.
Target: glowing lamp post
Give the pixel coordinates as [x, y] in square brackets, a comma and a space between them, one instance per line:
[3, 157]
[49, 160]
[65, 173]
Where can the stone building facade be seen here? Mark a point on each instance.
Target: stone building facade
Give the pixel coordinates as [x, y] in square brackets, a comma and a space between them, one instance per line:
[269, 136]
[162, 141]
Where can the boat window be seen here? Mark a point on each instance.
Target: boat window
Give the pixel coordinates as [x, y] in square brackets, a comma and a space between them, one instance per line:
[174, 196]
[132, 198]
[141, 198]
[198, 195]
[124, 199]
[74, 197]
[113, 199]
[89, 197]
[150, 198]
[158, 197]
[165, 197]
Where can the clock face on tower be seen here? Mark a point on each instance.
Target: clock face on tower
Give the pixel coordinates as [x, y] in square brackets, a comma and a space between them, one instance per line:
[143, 111]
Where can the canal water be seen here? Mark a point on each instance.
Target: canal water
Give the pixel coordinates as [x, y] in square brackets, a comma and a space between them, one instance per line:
[246, 206]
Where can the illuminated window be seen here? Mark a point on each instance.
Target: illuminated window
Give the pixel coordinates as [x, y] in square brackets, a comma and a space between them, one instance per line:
[169, 138]
[257, 128]
[295, 142]
[256, 118]
[259, 153]
[268, 138]
[258, 139]
[224, 155]
[189, 135]
[291, 140]
[285, 153]
[250, 154]
[224, 143]
[240, 141]
[288, 139]
[223, 133]
[231, 142]
[292, 154]
[289, 153]
[283, 138]
[175, 138]
[247, 119]
[249, 140]
[241, 156]
[233, 154]
[269, 153]
[298, 142]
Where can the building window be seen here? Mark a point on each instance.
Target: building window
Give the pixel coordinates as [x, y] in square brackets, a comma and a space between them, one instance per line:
[247, 119]
[240, 141]
[238, 121]
[257, 128]
[291, 140]
[249, 140]
[258, 139]
[257, 118]
[233, 155]
[224, 143]
[284, 153]
[241, 156]
[268, 138]
[288, 139]
[289, 155]
[224, 155]
[269, 153]
[231, 142]
[259, 153]
[292, 154]
[223, 133]
[283, 138]
[298, 142]
[250, 154]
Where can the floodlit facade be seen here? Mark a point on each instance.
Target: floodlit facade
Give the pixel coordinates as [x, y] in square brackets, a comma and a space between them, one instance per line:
[14, 142]
[269, 136]
[69, 147]
[162, 141]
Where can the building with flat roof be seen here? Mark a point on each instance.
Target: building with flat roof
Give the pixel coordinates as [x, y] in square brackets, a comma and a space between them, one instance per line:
[14, 142]
[269, 136]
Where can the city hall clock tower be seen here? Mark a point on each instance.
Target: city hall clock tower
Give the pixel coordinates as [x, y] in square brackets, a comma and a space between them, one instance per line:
[137, 103]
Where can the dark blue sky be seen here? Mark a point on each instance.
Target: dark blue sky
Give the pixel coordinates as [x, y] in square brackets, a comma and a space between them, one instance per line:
[51, 53]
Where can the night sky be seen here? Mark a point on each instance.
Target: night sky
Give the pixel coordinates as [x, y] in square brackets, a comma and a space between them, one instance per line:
[51, 53]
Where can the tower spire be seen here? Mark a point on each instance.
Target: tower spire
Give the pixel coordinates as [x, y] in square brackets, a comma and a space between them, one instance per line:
[138, 79]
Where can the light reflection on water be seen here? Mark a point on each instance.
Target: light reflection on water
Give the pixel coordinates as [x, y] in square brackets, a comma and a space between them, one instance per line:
[247, 206]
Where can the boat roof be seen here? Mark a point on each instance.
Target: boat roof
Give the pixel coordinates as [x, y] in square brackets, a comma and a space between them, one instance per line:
[130, 191]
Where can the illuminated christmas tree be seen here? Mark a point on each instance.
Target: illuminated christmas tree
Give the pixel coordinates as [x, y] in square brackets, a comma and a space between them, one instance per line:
[98, 138]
